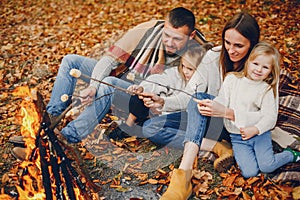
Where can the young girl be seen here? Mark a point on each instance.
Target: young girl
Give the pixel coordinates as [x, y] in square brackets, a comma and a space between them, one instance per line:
[253, 92]
[169, 83]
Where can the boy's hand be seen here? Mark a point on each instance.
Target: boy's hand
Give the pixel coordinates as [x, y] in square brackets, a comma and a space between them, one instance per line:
[248, 132]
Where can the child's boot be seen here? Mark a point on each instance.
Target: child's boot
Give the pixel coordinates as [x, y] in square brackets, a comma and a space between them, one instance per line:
[296, 154]
[180, 187]
[225, 156]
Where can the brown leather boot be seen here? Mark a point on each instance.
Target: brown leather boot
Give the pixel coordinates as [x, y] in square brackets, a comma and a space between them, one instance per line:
[19, 153]
[225, 156]
[179, 188]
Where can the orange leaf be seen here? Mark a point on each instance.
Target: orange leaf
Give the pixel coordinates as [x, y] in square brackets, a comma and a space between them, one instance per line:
[152, 181]
[201, 188]
[252, 180]
[88, 156]
[246, 196]
[239, 181]
[230, 180]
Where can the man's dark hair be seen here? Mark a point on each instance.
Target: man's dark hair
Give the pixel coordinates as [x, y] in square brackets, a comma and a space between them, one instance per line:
[180, 16]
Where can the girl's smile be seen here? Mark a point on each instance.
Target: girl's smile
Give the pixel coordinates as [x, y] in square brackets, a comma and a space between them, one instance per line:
[259, 68]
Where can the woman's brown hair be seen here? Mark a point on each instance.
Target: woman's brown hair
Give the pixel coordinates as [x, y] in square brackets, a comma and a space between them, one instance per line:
[247, 26]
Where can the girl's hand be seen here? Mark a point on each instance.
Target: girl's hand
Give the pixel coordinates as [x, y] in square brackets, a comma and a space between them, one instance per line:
[248, 132]
[152, 100]
[135, 88]
[156, 111]
[87, 95]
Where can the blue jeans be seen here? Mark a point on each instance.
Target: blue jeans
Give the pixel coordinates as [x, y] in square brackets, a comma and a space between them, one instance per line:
[65, 84]
[166, 129]
[256, 154]
[176, 128]
[85, 123]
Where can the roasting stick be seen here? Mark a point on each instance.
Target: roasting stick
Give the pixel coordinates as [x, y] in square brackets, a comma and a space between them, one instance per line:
[132, 78]
[62, 115]
[77, 106]
[77, 74]
[66, 97]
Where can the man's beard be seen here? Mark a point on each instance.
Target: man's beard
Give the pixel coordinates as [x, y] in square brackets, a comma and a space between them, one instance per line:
[171, 54]
[176, 53]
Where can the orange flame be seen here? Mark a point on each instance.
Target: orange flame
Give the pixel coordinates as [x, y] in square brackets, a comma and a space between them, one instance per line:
[32, 181]
[29, 116]
[30, 121]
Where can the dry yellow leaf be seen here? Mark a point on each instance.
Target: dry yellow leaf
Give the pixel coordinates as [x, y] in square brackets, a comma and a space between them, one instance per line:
[296, 192]
[5, 178]
[152, 181]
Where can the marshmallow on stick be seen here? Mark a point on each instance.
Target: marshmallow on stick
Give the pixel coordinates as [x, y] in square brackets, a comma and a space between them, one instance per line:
[130, 76]
[72, 112]
[75, 73]
[64, 97]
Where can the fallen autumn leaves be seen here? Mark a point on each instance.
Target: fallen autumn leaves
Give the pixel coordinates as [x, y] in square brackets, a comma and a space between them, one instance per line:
[35, 35]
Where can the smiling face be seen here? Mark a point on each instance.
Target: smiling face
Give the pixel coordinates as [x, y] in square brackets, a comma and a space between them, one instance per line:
[260, 67]
[175, 39]
[236, 45]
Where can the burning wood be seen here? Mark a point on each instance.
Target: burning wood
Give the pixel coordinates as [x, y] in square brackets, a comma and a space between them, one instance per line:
[47, 171]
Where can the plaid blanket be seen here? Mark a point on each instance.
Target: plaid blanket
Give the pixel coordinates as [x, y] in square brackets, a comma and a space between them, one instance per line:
[289, 121]
[289, 104]
[141, 49]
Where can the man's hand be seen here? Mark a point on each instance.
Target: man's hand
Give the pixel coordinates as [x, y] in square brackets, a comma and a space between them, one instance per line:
[87, 95]
[248, 132]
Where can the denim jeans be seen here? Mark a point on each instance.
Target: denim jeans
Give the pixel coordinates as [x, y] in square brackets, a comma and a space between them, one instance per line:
[85, 123]
[256, 154]
[176, 128]
[166, 129]
[65, 84]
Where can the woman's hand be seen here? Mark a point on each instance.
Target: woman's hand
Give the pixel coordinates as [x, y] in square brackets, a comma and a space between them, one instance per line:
[208, 107]
[87, 95]
[248, 132]
[135, 88]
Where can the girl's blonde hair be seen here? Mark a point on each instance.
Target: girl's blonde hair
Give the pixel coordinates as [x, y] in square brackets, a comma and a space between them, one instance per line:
[265, 48]
[193, 55]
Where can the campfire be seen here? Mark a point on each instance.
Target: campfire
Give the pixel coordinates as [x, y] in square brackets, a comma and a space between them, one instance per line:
[47, 172]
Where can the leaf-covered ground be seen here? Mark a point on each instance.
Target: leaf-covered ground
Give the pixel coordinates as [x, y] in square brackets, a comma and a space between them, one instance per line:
[35, 35]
